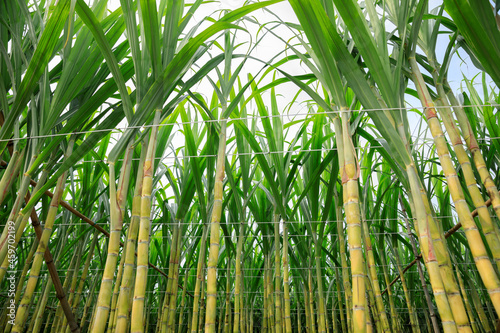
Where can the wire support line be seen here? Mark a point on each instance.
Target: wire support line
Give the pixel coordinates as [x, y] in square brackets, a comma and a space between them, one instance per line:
[272, 236]
[121, 129]
[427, 142]
[224, 269]
[158, 223]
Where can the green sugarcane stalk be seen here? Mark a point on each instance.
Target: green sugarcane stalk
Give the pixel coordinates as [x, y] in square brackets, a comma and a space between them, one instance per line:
[307, 309]
[411, 311]
[213, 256]
[371, 309]
[171, 269]
[237, 283]
[227, 313]
[384, 322]
[339, 301]
[270, 290]
[183, 302]
[277, 272]
[286, 280]
[83, 277]
[175, 285]
[200, 274]
[311, 301]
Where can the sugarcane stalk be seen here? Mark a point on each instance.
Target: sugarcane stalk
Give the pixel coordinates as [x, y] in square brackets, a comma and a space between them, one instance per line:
[122, 314]
[473, 147]
[14, 219]
[277, 271]
[384, 322]
[227, 312]
[137, 317]
[428, 252]
[213, 256]
[237, 283]
[466, 301]
[478, 250]
[175, 285]
[311, 301]
[171, 268]
[353, 219]
[428, 300]
[411, 311]
[44, 238]
[485, 221]
[307, 311]
[286, 280]
[343, 324]
[85, 271]
[199, 279]
[8, 178]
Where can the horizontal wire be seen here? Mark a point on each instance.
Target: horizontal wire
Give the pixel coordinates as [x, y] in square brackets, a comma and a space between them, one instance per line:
[428, 142]
[289, 235]
[222, 269]
[192, 225]
[243, 118]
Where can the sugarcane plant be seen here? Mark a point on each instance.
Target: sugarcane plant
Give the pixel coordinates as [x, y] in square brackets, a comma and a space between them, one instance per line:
[161, 170]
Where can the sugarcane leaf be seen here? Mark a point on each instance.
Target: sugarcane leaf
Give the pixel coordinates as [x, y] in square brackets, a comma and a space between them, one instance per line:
[43, 53]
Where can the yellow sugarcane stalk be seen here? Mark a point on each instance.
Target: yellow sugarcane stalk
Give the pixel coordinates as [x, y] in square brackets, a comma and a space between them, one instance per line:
[213, 256]
[478, 250]
[467, 302]
[117, 208]
[15, 218]
[477, 157]
[124, 300]
[340, 223]
[137, 317]
[428, 252]
[487, 225]
[9, 176]
[353, 219]
[22, 313]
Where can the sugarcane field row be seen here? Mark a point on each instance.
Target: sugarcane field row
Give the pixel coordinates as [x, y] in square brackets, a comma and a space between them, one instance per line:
[310, 166]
